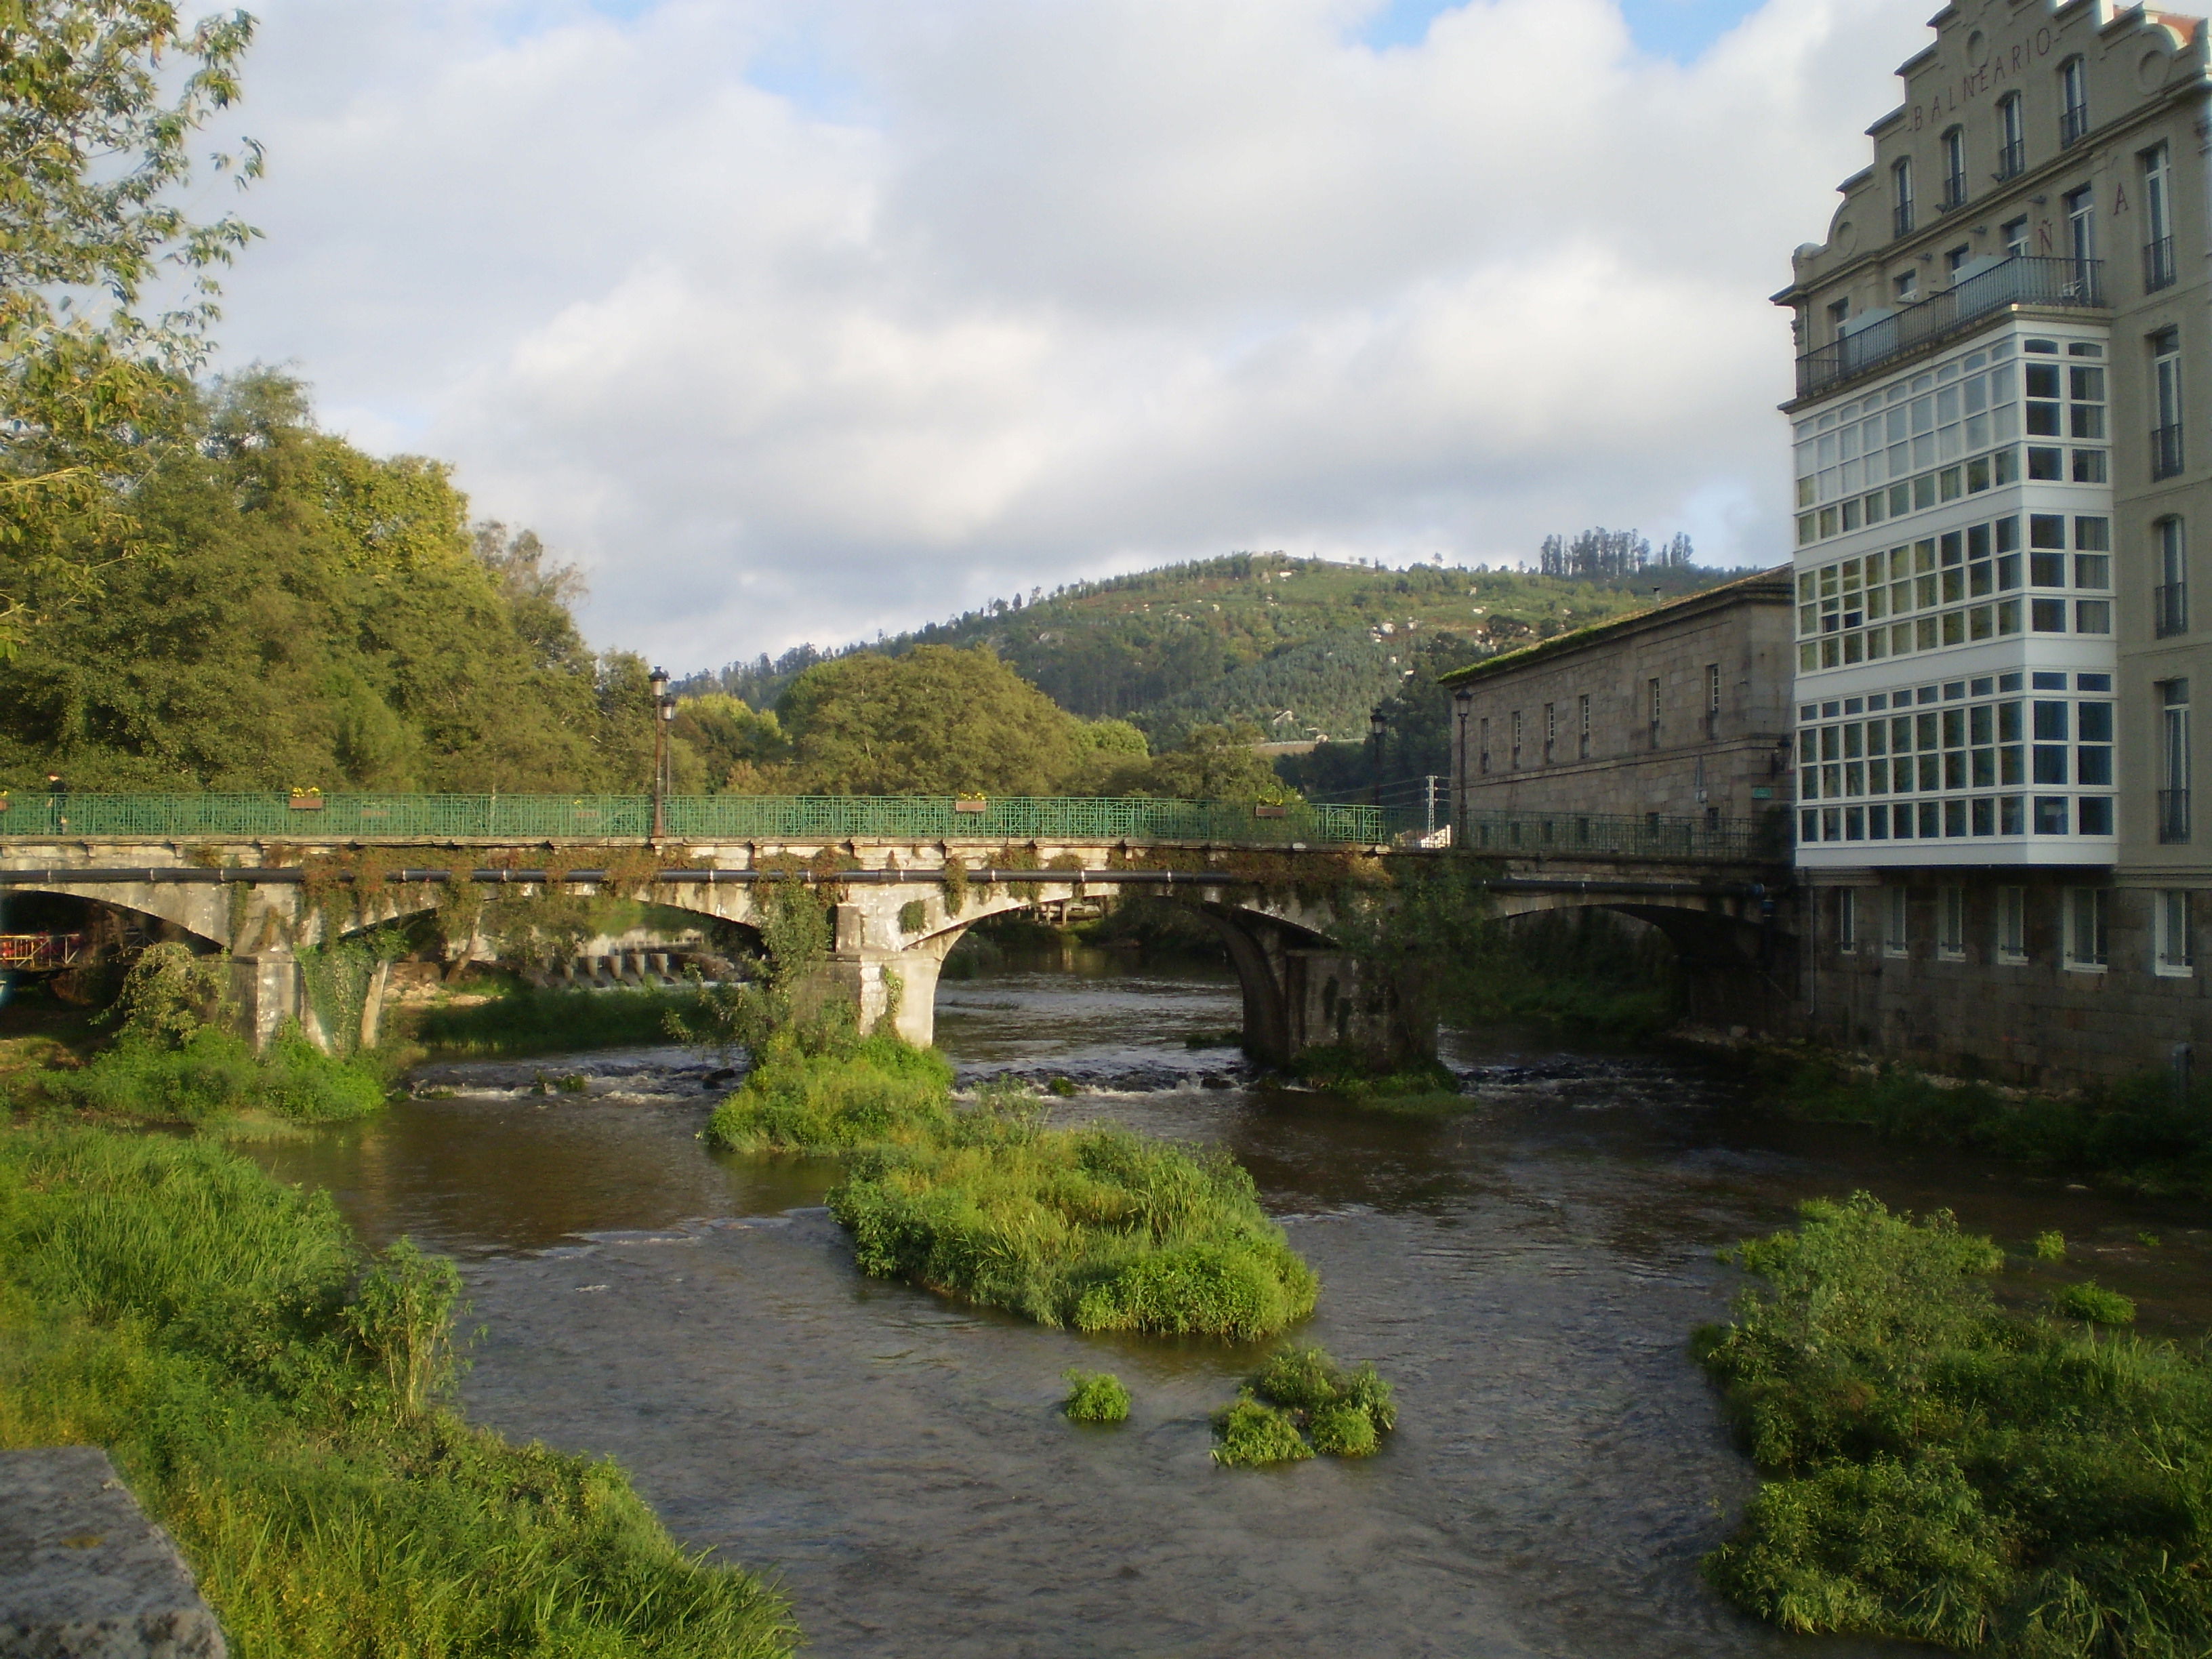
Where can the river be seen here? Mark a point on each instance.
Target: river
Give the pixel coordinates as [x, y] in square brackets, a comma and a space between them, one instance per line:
[1527, 1272]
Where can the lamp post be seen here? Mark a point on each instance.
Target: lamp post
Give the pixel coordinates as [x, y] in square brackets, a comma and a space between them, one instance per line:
[1378, 724]
[664, 710]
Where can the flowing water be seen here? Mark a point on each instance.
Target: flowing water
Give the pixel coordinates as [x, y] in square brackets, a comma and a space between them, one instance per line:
[1528, 1273]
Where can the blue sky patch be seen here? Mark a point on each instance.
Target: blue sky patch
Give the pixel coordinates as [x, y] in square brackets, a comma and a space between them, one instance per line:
[1680, 29]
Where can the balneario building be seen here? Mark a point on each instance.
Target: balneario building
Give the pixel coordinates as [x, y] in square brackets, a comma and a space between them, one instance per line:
[2003, 477]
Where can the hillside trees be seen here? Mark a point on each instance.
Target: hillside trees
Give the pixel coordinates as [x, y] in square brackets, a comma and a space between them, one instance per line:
[99, 100]
[312, 616]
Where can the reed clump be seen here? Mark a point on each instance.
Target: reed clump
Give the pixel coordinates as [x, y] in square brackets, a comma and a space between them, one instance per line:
[1300, 1403]
[213, 1074]
[278, 1402]
[813, 1091]
[1095, 1397]
[1938, 1470]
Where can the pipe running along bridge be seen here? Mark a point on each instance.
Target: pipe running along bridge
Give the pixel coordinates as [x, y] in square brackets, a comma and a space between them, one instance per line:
[264, 876]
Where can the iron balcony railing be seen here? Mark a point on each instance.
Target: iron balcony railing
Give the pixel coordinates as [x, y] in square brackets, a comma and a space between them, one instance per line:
[688, 817]
[2012, 160]
[2022, 280]
[1900, 219]
[1588, 833]
[2158, 264]
[2165, 451]
[2169, 610]
[2073, 126]
[2173, 816]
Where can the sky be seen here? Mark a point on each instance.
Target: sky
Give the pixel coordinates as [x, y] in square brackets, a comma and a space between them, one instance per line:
[804, 319]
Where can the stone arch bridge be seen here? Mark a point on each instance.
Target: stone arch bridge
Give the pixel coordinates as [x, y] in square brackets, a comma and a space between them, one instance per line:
[1265, 878]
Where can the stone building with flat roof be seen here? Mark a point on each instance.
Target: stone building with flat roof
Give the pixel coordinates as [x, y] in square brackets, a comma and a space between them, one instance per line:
[1679, 712]
[2003, 481]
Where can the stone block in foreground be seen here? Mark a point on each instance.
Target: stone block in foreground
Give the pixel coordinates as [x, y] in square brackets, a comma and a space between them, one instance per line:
[84, 1574]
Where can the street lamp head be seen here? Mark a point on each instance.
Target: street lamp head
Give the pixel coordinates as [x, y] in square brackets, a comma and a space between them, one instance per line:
[1378, 724]
[659, 681]
[1464, 697]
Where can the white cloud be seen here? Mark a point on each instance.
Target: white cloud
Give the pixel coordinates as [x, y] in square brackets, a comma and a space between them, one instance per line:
[798, 319]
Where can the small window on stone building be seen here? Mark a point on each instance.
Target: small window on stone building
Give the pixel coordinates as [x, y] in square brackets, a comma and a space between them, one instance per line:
[1651, 704]
[1896, 922]
[1847, 919]
[1550, 732]
[1950, 923]
[2087, 940]
[2012, 925]
[1583, 727]
[1517, 738]
[2174, 933]
[1484, 741]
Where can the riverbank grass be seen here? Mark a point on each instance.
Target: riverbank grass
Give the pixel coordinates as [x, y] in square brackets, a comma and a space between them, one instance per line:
[815, 1093]
[1300, 1403]
[275, 1401]
[212, 1074]
[1937, 1470]
[530, 1021]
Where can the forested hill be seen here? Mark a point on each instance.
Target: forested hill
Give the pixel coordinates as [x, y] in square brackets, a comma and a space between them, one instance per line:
[1300, 647]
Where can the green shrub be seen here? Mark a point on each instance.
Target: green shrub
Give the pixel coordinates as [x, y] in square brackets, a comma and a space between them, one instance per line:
[873, 1089]
[1095, 1397]
[2050, 1246]
[213, 1074]
[2090, 1301]
[273, 1407]
[1339, 1413]
[1252, 1434]
[1940, 1471]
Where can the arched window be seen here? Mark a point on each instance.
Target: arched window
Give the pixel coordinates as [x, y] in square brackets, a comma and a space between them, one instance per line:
[1954, 168]
[2073, 100]
[2012, 138]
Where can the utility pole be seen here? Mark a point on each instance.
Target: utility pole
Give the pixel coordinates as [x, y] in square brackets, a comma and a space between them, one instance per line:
[664, 710]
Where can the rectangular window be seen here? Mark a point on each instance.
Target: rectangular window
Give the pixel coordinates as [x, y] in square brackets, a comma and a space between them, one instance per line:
[2012, 925]
[1712, 687]
[1485, 743]
[1583, 727]
[1950, 923]
[2158, 219]
[1896, 922]
[1517, 738]
[1847, 919]
[1550, 732]
[2015, 232]
[2088, 949]
[2166, 453]
[2081, 229]
[1651, 708]
[2174, 768]
[2173, 934]
[1900, 197]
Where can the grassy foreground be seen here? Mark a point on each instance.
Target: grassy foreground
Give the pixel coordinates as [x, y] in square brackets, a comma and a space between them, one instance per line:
[1093, 1227]
[273, 1400]
[1940, 1471]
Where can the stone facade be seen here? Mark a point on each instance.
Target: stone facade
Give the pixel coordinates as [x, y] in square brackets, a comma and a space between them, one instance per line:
[1680, 711]
[2008, 875]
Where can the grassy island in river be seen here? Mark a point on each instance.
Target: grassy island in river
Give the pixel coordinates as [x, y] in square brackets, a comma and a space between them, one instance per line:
[1942, 1471]
[1092, 1227]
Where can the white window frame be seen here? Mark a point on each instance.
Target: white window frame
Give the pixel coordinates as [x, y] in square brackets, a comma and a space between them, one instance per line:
[1847, 921]
[1897, 921]
[2087, 930]
[2012, 927]
[2174, 933]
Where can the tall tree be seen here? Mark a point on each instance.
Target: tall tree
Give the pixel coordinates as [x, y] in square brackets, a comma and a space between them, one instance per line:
[99, 102]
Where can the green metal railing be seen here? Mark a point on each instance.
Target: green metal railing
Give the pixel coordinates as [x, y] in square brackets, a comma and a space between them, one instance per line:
[688, 817]
[1586, 835]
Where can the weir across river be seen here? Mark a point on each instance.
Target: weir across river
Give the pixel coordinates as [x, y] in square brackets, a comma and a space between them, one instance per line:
[263, 877]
